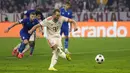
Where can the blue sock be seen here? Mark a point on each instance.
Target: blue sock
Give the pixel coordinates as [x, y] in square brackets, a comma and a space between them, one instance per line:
[22, 47]
[66, 43]
[32, 45]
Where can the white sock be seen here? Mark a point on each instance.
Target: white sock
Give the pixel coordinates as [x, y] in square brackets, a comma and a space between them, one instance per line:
[26, 48]
[17, 46]
[61, 53]
[54, 59]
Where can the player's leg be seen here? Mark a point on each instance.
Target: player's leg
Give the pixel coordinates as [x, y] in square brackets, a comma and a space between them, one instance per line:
[26, 48]
[54, 44]
[32, 43]
[66, 42]
[66, 39]
[54, 60]
[15, 49]
[32, 46]
[22, 47]
[17, 46]
[24, 37]
[60, 52]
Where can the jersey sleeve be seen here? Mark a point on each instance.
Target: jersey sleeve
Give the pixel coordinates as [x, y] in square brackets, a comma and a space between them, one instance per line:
[65, 19]
[44, 23]
[21, 21]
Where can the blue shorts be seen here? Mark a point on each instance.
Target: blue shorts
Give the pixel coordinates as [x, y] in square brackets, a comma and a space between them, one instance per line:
[24, 35]
[65, 30]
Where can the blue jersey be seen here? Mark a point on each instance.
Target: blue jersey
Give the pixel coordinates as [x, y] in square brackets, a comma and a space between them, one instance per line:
[66, 13]
[27, 25]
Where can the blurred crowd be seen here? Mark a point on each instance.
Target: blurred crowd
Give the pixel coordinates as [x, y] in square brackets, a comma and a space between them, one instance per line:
[17, 6]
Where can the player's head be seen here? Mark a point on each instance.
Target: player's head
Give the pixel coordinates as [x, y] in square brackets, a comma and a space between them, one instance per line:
[38, 15]
[67, 5]
[32, 15]
[56, 14]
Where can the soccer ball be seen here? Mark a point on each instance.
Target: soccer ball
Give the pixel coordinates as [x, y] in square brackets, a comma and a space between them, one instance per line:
[99, 59]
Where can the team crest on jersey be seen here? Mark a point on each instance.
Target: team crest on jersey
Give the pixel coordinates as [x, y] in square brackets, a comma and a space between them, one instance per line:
[62, 12]
[68, 13]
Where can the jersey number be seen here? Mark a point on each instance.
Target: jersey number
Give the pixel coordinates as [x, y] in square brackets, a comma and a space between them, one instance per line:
[55, 29]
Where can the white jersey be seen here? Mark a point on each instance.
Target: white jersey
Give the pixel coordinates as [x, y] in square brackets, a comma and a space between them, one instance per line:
[53, 29]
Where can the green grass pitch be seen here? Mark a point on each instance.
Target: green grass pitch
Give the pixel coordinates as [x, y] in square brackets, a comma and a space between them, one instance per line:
[115, 50]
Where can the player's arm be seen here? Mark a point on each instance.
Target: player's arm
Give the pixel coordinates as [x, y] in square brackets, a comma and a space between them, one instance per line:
[7, 30]
[41, 30]
[41, 24]
[71, 16]
[70, 27]
[71, 21]
[34, 28]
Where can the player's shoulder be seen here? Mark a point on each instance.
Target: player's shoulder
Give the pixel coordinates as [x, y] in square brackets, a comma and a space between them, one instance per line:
[19, 21]
[70, 10]
[62, 8]
[63, 17]
[25, 19]
[49, 18]
[22, 20]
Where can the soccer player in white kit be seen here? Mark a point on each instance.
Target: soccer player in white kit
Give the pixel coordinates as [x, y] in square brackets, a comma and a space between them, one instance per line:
[53, 24]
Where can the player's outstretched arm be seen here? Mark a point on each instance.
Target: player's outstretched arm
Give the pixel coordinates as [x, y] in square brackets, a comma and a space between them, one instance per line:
[41, 30]
[34, 28]
[74, 23]
[70, 27]
[7, 30]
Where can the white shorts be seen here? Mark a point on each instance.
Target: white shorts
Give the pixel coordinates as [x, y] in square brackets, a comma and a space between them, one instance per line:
[55, 41]
[32, 37]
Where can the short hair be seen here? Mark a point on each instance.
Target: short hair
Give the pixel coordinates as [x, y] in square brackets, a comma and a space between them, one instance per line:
[68, 3]
[56, 10]
[38, 13]
[33, 13]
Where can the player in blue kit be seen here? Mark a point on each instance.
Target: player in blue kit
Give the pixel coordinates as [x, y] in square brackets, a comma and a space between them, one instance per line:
[67, 12]
[40, 17]
[31, 45]
[27, 23]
